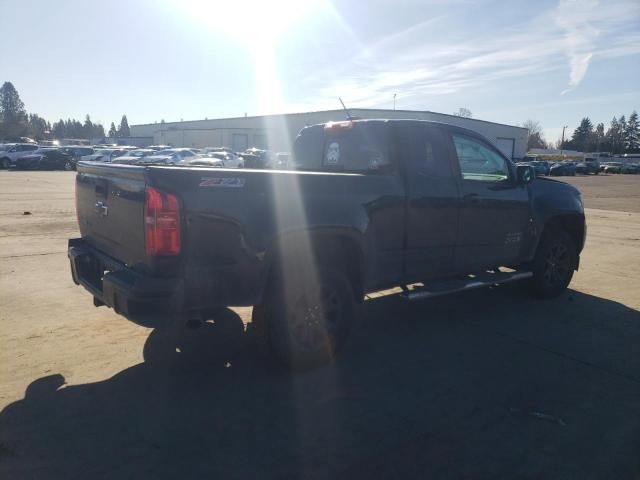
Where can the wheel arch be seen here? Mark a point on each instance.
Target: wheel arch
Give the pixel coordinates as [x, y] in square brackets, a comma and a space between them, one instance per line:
[342, 248]
[573, 224]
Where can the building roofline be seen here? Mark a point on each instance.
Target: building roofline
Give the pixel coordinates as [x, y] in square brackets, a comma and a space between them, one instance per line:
[351, 110]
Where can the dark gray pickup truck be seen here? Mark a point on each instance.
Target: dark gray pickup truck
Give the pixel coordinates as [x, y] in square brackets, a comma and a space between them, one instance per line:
[369, 205]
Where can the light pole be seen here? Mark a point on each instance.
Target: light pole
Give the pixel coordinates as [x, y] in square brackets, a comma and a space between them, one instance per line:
[394, 101]
[562, 141]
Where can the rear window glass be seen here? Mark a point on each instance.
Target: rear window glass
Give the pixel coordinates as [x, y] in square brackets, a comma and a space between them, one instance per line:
[363, 148]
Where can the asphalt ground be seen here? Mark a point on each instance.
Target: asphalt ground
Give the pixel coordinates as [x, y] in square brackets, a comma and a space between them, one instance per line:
[486, 384]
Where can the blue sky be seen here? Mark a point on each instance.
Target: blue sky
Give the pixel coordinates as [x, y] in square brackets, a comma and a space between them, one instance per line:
[551, 61]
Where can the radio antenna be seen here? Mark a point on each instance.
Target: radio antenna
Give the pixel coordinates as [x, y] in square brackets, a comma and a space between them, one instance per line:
[349, 117]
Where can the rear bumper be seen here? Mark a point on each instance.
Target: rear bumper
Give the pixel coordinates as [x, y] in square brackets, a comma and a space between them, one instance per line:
[148, 301]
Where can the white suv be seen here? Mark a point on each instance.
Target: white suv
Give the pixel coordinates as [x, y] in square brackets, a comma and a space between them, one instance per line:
[10, 152]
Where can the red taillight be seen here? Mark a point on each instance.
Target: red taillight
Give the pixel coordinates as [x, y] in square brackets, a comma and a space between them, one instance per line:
[161, 223]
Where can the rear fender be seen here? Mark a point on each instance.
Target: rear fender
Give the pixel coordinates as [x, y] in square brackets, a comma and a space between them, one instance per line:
[341, 248]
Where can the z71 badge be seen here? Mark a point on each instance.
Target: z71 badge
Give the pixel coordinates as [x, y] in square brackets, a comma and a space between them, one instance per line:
[222, 182]
[513, 238]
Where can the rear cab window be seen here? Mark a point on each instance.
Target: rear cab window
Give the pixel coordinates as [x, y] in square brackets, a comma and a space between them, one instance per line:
[352, 147]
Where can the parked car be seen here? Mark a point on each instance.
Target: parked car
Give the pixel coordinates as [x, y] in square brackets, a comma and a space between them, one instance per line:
[12, 151]
[612, 167]
[76, 152]
[631, 168]
[204, 161]
[589, 165]
[540, 168]
[229, 159]
[134, 156]
[283, 160]
[157, 148]
[366, 210]
[104, 155]
[563, 169]
[543, 164]
[257, 158]
[49, 143]
[218, 149]
[49, 159]
[171, 156]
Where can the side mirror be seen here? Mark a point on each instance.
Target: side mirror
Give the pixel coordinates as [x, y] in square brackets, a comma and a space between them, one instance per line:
[525, 174]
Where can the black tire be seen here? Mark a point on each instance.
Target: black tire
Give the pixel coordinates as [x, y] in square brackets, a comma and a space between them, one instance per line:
[554, 264]
[68, 166]
[309, 316]
[6, 163]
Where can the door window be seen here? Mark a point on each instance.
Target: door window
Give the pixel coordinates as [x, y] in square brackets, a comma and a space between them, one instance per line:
[479, 162]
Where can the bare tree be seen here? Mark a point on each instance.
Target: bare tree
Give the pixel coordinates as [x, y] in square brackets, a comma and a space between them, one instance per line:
[463, 112]
[536, 139]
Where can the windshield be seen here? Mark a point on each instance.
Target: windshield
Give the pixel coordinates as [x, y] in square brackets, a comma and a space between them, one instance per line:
[139, 153]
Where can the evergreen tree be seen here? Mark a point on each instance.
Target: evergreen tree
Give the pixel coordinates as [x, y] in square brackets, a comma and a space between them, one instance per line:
[59, 130]
[11, 107]
[13, 117]
[614, 136]
[37, 127]
[112, 131]
[98, 131]
[123, 129]
[87, 128]
[583, 135]
[599, 137]
[632, 134]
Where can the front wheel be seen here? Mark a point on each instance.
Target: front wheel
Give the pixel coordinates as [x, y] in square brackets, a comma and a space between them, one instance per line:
[553, 264]
[310, 316]
[68, 166]
[6, 163]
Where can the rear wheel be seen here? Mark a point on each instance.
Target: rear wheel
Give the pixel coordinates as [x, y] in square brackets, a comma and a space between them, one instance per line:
[68, 165]
[6, 163]
[309, 316]
[553, 264]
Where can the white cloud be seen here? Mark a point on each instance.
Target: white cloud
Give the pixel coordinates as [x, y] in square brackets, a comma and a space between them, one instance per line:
[574, 17]
[430, 58]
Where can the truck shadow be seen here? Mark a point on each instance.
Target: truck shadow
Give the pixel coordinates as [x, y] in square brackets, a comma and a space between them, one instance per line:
[486, 384]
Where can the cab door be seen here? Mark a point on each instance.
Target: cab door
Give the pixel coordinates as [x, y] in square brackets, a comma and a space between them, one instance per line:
[432, 201]
[494, 209]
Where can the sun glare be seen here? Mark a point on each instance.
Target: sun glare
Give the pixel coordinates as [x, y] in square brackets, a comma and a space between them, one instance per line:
[249, 21]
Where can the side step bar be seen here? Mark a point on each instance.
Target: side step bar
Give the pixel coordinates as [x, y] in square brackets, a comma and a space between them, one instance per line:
[462, 285]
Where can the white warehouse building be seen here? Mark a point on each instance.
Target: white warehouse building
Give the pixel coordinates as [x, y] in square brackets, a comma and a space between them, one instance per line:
[277, 132]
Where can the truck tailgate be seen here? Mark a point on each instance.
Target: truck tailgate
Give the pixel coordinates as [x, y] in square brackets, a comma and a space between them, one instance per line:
[110, 203]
